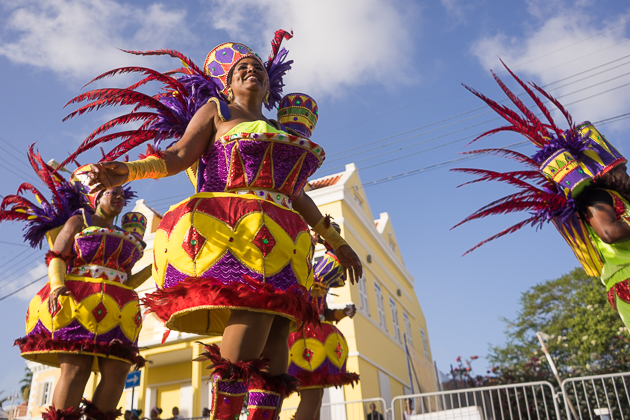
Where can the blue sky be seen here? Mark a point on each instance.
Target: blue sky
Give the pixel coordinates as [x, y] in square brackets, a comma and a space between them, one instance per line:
[386, 75]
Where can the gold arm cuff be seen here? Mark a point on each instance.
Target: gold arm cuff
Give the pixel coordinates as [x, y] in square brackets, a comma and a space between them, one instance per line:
[151, 167]
[329, 234]
[57, 273]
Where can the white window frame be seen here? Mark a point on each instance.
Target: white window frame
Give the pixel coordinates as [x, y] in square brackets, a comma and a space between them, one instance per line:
[396, 327]
[380, 306]
[364, 303]
[425, 344]
[408, 328]
[44, 393]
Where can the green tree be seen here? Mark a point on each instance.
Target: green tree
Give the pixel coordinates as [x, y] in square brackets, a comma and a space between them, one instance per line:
[25, 389]
[586, 334]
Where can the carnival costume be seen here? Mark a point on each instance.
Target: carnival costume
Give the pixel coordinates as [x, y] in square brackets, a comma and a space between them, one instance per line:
[318, 353]
[236, 243]
[566, 164]
[102, 316]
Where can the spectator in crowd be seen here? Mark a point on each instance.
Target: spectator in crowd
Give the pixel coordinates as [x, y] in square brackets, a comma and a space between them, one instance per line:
[205, 412]
[127, 415]
[373, 414]
[155, 413]
[409, 411]
[176, 415]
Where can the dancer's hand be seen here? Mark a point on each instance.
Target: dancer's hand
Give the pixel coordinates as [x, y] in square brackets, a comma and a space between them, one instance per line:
[350, 262]
[54, 295]
[107, 175]
[350, 310]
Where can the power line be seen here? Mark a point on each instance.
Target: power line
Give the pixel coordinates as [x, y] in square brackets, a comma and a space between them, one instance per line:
[14, 243]
[474, 125]
[22, 288]
[448, 162]
[343, 155]
[514, 67]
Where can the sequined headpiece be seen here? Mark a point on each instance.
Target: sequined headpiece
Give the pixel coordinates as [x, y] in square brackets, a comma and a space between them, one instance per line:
[595, 157]
[299, 112]
[566, 162]
[222, 59]
[135, 223]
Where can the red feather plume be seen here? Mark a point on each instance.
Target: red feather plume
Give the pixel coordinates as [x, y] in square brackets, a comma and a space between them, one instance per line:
[537, 101]
[146, 134]
[109, 97]
[519, 157]
[131, 142]
[277, 41]
[176, 54]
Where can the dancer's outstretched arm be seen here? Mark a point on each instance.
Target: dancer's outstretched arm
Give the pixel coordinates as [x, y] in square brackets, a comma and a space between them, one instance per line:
[198, 137]
[348, 259]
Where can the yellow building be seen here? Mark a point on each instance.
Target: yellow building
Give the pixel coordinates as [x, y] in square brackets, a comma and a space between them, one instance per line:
[387, 312]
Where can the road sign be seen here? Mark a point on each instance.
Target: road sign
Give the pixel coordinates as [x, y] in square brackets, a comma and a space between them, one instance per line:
[133, 379]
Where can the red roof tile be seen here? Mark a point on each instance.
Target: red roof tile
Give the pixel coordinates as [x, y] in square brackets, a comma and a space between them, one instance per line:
[325, 182]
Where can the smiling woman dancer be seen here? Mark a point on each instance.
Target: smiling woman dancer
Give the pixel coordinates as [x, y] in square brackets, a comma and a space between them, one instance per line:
[235, 258]
[86, 318]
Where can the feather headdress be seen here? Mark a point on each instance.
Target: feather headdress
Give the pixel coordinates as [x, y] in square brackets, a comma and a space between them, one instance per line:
[166, 114]
[567, 161]
[44, 214]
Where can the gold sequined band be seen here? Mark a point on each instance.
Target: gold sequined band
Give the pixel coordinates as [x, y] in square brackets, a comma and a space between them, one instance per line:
[56, 273]
[151, 167]
[329, 234]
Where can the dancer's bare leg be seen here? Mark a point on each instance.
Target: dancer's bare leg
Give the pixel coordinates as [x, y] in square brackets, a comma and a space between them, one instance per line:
[277, 347]
[112, 383]
[310, 403]
[245, 336]
[75, 372]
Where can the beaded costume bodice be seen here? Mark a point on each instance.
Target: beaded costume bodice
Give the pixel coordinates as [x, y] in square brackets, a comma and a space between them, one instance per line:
[616, 265]
[105, 253]
[255, 156]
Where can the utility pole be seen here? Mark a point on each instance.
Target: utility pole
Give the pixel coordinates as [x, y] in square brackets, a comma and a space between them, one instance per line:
[541, 337]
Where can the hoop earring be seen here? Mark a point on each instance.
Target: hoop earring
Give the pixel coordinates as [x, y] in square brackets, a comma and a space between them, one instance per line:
[267, 98]
[230, 96]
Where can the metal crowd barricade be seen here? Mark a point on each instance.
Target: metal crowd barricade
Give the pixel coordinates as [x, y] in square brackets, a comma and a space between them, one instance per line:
[347, 410]
[527, 401]
[600, 397]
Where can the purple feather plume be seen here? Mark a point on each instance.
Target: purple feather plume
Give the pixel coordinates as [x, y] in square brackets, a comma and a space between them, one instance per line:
[276, 70]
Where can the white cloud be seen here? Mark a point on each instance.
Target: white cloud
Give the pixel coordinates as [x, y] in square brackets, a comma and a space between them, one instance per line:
[459, 10]
[337, 44]
[78, 38]
[562, 46]
[28, 292]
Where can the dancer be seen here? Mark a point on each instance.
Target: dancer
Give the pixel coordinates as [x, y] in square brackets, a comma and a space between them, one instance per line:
[233, 259]
[578, 182]
[87, 317]
[318, 353]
